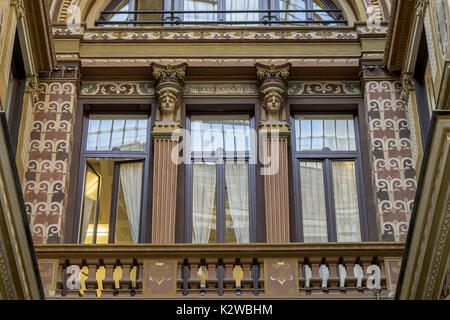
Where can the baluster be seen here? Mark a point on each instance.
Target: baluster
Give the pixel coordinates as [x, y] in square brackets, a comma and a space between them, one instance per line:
[60, 280]
[73, 283]
[180, 280]
[238, 275]
[186, 275]
[229, 279]
[220, 273]
[358, 271]
[125, 282]
[108, 281]
[139, 275]
[342, 276]
[117, 277]
[246, 282]
[365, 263]
[333, 280]
[202, 274]
[307, 272]
[194, 281]
[316, 280]
[212, 282]
[255, 273]
[261, 274]
[91, 281]
[100, 275]
[324, 275]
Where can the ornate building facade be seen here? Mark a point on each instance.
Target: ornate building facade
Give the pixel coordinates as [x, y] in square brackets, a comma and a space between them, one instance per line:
[220, 148]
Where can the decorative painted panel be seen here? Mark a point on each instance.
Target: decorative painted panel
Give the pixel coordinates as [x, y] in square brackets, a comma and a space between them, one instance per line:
[160, 278]
[392, 157]
[237, 88]
[48, 271]
[281, 277]
[46, 176]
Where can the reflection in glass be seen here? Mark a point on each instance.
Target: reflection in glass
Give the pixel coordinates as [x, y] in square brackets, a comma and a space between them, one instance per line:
[211, 133]
[292, 5]
[346, 202]
[337, 133]
[237, 206]
[129, 203]
[91, 192]
[204, 202]
[313, 202]
[118, 133]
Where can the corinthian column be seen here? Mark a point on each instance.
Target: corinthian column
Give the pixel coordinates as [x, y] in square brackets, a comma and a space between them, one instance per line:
[169, 81]
[274, 132]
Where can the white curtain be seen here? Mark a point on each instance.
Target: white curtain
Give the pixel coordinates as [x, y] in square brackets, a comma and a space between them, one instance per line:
[87, 212]
[346, 202]
[203, 198]
[131, 181]
[314, 210]
[236, 176]
[198, 5]
[90, 199]
[242, 5]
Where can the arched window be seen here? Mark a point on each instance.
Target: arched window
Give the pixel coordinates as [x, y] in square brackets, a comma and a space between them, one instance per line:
[235, 12]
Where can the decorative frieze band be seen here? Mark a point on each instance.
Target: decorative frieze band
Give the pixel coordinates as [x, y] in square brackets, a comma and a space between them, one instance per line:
[223, 89]
[213, 34]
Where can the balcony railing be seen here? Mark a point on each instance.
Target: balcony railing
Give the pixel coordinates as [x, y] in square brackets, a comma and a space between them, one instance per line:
[197, 271]
[175, 17]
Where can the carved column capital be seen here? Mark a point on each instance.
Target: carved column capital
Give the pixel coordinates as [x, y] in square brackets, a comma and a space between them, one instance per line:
[169, 82]
[32, 84]
[273, 84]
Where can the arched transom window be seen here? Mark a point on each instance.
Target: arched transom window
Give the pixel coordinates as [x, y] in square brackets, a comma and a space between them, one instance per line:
[234, 12]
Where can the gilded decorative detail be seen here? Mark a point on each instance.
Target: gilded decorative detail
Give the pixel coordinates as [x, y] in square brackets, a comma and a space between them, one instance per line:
[421, 7]
[407, 85]
[48, 271]
[324, 88]
[392, 266]
[430, 45]
[220, 89]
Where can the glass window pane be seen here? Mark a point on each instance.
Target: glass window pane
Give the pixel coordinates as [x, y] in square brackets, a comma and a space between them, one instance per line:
[200, 5]
[242, 5]
[129, 203]
[314, 211]
[322, 133]
[237, 206]
[210, 133]
[346, 202]
[292, 5]
[117, 133]
[204, 202]
[91, 189]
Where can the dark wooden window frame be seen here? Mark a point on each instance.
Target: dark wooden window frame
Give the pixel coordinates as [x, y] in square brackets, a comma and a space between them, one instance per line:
[139, 106]
[197, 107]
[366, 197]
[16, 92]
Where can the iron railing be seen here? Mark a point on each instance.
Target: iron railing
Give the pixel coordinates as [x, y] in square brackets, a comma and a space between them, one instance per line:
[267, 18]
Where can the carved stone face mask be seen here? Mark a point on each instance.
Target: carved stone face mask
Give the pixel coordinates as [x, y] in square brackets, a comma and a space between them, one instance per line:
[168, 102]
[273, 102]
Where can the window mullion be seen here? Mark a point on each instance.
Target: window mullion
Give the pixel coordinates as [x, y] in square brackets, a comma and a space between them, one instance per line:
[331, 219]
[220, 201]
[114, 203]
